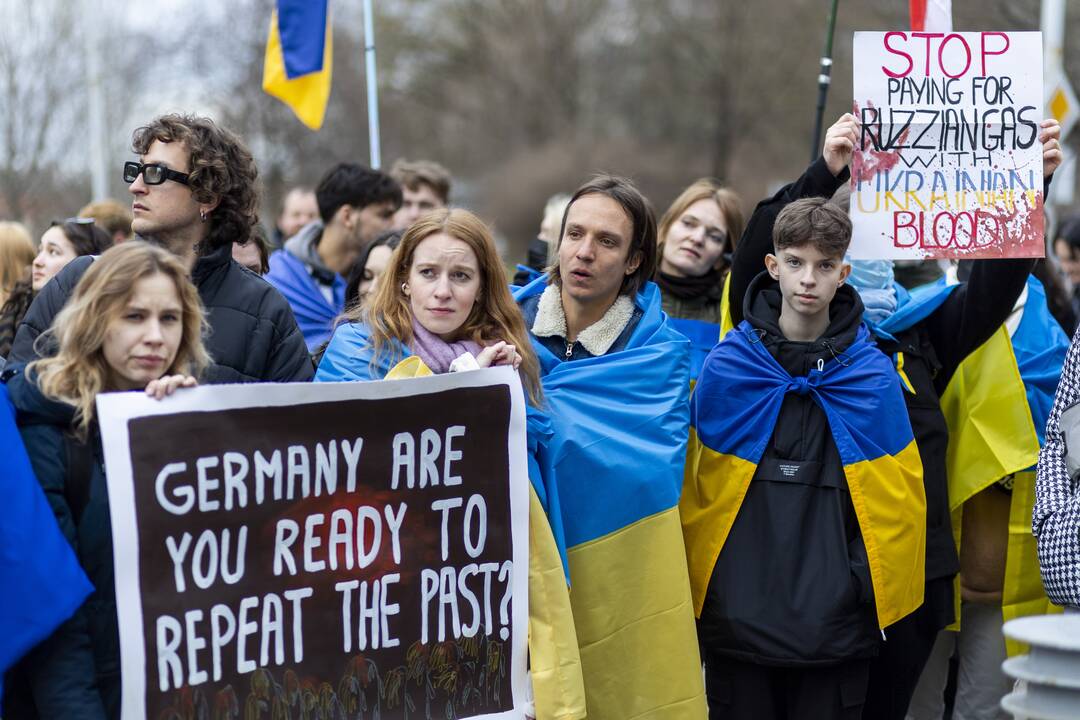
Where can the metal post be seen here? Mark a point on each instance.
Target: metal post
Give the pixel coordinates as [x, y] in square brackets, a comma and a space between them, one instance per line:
[1053, 29]
[99, 182]
[824, 80]
[372, 87]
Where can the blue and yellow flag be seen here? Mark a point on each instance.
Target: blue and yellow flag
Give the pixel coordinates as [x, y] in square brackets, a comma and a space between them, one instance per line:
[996, 406]
[620, 422]
[703, 337]
[42, 580]
[734, 410]
[299, 57]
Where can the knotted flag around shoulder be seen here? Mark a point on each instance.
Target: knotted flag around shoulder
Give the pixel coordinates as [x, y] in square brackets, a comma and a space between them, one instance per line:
[734, 410]
[43, 582]
[299, 57]
[620, 423]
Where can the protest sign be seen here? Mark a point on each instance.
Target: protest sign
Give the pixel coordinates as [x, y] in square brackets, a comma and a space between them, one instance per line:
[322, 550]
[949, 162]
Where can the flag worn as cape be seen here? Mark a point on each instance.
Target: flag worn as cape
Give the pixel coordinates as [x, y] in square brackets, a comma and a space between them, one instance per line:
[314, 315]
[43, 583]
[620, 423]
[349, 356]
[702, 335]
[299, 56]
[996, 407]
[734, 410]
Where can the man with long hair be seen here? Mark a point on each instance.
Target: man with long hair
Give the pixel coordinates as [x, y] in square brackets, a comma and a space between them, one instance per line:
[616, 380]
[194, 193]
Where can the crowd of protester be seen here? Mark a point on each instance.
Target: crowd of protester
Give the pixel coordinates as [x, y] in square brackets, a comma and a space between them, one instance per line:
[788, 502]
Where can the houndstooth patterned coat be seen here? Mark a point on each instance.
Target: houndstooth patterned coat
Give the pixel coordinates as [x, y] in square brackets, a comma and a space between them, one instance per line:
[1056, 516]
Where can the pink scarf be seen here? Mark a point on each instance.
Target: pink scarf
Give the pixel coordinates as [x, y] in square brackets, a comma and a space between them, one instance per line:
[436, 353]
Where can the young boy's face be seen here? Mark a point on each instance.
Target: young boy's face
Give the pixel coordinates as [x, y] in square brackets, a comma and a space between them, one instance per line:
[808, 279]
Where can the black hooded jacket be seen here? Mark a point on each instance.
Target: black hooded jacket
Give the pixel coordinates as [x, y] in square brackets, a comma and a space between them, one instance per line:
[792, 585]
[933, 350]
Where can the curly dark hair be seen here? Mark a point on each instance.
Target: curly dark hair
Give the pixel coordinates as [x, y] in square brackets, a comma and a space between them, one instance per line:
[221, 169]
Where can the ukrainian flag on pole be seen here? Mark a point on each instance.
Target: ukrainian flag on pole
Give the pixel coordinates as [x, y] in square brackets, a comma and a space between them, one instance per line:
[299, 56]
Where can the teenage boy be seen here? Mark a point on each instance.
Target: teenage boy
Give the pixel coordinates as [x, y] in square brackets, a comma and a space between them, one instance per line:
[928, 340]
[802, 509]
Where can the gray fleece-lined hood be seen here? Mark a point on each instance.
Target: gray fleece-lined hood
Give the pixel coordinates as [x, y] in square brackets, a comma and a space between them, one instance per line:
[302, 246]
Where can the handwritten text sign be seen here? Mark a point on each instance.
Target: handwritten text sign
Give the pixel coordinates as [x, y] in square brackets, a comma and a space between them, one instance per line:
[354, 549]
[949, 162]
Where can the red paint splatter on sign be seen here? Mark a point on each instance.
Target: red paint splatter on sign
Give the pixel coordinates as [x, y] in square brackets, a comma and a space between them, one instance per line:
[866, 162]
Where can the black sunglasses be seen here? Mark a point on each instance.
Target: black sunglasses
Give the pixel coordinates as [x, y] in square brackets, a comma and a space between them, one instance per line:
[153, 174]
[73, 221]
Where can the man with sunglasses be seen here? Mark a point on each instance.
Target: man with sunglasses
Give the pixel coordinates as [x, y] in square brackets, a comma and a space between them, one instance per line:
[194, 194]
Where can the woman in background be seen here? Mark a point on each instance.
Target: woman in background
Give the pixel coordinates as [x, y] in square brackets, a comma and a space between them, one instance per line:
[62, 242]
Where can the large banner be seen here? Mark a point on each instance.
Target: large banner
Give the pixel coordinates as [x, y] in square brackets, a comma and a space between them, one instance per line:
[949, 163]
[351, 550]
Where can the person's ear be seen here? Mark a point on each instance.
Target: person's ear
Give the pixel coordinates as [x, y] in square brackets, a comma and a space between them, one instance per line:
[773, 266]
[845, 270]
[208, 207]
[345, 216]
[633, 263]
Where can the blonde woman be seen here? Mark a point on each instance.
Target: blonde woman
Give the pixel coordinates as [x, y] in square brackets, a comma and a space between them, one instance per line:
[134, 323]
[698, 234]
[60, 244]
[16, 254]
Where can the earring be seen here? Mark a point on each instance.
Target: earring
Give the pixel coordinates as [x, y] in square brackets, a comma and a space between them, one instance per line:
[202, 215]
[405, 289]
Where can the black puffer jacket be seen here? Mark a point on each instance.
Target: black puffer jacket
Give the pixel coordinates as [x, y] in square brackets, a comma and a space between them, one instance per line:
[253, 335]
[792, 584]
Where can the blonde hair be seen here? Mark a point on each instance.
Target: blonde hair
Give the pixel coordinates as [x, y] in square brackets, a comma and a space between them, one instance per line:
[706, 189]
[16, 254]
[78, 372]
[109, 215]
[495, 316]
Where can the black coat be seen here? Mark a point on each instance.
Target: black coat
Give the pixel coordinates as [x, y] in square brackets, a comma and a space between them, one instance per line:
[933, 348]
[253, 335]
[791, 586]
[75, 672]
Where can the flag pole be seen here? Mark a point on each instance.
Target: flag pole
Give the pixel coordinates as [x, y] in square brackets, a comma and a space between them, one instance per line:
[824, 80]
[372, 87]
